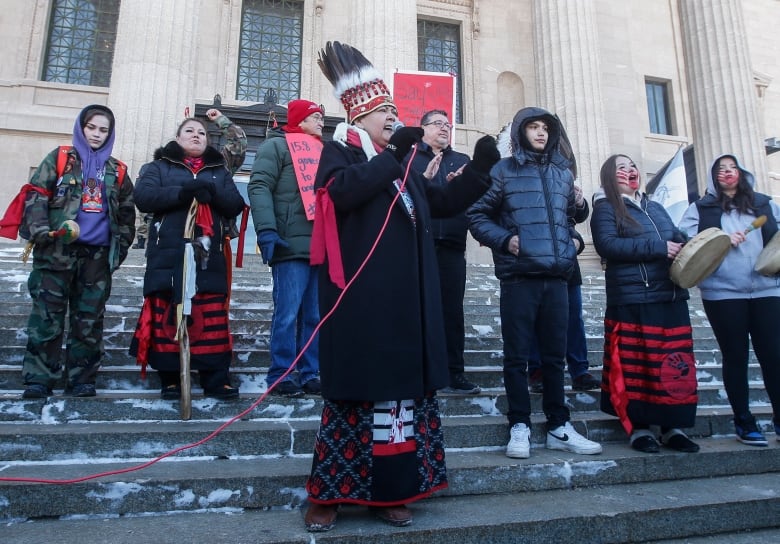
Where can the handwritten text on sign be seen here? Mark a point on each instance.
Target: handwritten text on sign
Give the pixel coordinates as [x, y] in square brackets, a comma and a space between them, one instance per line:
[305, 151]
[416, 93]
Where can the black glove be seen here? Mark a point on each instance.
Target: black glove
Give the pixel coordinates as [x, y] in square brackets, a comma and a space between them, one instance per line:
[191, 190]
[206, 193]
[402, 141]
[485, 154]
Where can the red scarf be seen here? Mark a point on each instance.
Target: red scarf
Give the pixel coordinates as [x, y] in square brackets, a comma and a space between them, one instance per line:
[194, 163]
[325, 237]
[325, 234]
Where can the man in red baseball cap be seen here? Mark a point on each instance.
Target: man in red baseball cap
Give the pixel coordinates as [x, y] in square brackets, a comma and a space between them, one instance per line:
[278, 191]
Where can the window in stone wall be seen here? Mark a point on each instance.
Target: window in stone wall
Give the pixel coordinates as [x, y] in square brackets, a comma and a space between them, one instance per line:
[269, 60]
[438, 50]
[80, 49]
[658, 106]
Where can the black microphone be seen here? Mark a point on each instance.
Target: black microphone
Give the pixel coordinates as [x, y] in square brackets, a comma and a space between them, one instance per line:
[397, 125]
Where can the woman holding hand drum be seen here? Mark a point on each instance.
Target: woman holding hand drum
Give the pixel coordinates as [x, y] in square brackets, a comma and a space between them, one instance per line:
[739, 302]
[649, 375]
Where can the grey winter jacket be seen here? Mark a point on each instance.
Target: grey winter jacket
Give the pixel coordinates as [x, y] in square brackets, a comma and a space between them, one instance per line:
[735, 277]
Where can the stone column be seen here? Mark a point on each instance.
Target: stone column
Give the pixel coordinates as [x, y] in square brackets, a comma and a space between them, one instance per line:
[153, 75]
[386, 33]
[723, 98]
[567, 80]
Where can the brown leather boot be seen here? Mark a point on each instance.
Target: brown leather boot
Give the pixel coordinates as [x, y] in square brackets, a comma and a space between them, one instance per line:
[320, 517]
[397, 516]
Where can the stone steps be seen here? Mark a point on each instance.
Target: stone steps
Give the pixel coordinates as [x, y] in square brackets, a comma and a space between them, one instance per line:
[666, 495]
[255, 467]
[250, 373]
[145, 405]
[265, 432]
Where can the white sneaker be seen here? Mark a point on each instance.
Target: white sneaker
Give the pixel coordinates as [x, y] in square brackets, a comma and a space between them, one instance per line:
[567, 439]
[519, 446]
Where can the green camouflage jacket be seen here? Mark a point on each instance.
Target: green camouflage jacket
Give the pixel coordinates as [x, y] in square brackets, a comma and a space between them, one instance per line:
[46, 214]
[234, 149]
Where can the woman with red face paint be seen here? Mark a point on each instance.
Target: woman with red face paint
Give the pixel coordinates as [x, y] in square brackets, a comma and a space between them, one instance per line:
[740, 303]
[649, 375]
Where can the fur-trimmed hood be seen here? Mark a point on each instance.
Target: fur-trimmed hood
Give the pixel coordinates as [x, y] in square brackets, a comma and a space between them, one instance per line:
[172, 151]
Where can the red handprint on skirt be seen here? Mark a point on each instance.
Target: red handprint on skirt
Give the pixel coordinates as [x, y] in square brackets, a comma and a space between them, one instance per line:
[320, 450]
[327, 413]
[352, 417]
[315, 486]
[350, 450]
[346, 485]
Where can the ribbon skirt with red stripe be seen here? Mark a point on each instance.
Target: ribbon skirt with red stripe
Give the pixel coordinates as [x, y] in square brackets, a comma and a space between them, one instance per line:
[211, 345]
[655, 383]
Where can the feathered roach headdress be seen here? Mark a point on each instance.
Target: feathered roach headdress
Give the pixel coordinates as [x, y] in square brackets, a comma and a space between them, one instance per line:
[504, 141]
[355, 81]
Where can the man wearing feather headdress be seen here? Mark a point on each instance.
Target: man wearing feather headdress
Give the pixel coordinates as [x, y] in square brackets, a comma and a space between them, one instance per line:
[382, 351]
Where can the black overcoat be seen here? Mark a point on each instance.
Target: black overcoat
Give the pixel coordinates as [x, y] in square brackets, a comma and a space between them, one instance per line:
[385, 340]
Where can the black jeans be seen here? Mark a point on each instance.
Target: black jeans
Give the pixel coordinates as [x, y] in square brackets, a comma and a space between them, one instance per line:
[535, 308]
[734, 322]
[576, 342]
[452, 277]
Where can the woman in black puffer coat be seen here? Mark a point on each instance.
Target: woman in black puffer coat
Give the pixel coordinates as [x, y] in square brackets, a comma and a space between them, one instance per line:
[186, 169]
[649, 375]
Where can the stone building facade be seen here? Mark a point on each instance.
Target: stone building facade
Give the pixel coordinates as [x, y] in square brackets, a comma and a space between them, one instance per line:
[591, 61]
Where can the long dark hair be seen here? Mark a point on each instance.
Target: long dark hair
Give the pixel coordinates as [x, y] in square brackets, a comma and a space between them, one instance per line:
[614, 197]
[742, 200]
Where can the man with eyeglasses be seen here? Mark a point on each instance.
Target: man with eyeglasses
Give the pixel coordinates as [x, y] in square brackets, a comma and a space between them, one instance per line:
[284, 237]
[439, 163]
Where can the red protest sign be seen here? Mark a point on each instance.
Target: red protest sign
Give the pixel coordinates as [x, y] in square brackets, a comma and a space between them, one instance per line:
[305, 151]
[416, 93]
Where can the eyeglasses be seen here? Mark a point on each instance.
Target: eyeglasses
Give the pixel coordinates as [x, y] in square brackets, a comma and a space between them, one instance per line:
[440, 124]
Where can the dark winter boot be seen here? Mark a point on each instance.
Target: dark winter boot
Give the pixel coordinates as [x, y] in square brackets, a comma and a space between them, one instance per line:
[140, 243]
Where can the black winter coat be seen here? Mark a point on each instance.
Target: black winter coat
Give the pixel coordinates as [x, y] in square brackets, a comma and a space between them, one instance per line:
[449, 231]
[157, 192]
[636, 254]
[385, 341]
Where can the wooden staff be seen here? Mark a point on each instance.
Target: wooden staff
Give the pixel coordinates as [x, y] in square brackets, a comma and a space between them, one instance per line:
[183, 311]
